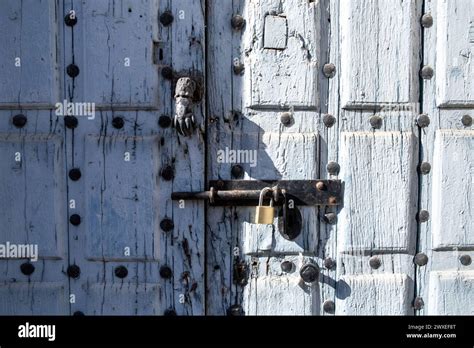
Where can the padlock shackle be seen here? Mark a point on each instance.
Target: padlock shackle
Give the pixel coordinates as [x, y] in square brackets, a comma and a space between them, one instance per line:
[262, 194]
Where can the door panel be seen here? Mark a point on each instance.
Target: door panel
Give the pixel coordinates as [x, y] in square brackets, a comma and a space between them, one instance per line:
[445, 283]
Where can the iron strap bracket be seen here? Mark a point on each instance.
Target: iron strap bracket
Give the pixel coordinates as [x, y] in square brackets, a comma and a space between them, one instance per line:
[246, 192]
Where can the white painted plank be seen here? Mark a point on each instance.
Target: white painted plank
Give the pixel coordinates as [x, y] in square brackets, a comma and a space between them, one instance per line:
[379, 52]
[379, 173]
[453, 197]
[451, 293]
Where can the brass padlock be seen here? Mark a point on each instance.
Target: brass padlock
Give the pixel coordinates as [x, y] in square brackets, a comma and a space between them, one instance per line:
[264, 215]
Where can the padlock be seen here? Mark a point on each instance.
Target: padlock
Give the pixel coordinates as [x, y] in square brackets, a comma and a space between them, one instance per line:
[264, 215]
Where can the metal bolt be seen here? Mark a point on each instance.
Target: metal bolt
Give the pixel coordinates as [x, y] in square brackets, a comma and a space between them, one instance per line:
[237, 171]
[423, 216]
[166, 18]
[418, 303]
[75, 219]
[239, 68]
[286, 118]
[427, 72]
[465, 260]
[427, 20]
[329, 70]
[19, 121]
[332, 200]
[117, 122]
[329, 120]
[78, 314]
[287, 266]
[309, 273]
[330, 218]
[164, 121]
[375, 262]
[466, 121]
[27, 268]
[376, 122]
[75, 174]
[170, 313]
[167, 73]
[237, 22]
[235, 311]
[333, 168]
[425, 168]
[73, 271]
[167, 225]
[166, 272]
[329, 263]
[72, 70]
[421, 259]
[423, 121]
[121, 272]
[167, 173]
[71, 19]
[329, 306]
[321, 186]
[71, 122]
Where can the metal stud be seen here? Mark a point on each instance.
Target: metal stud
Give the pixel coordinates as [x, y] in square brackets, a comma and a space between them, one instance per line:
[421, 259]
[78, 314]
[418, 303]
[329, 120]
[237, 22]
[164, 121]
[309, 273]
[237, 171]
[27, 268]
[333, 168]
[423, 120]
[286, 118]
[167, 173]
[427, 20]
[75, 219]
[329, 70]
[75, 174]
[287, 266]
[239, 68]
[71, 19]
[19, 121]
[329, 263]
[465, 260]
[235, 311]
[427, 72]
[330, 218]
[425, 168]
[71, 122]
[466, 121]
[118, 122]
[72, 70]
[329, 306]
[166, 18]
[376, 122]
[374, 262]
[73, 271]
[167, 225]
[321, 186]
[167, 73]
[166, 272]
[121, 272]
[423, 215]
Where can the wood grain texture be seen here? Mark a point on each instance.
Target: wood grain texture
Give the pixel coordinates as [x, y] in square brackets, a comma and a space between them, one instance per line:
[451, 293]
[455, 43]
[379, 52]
